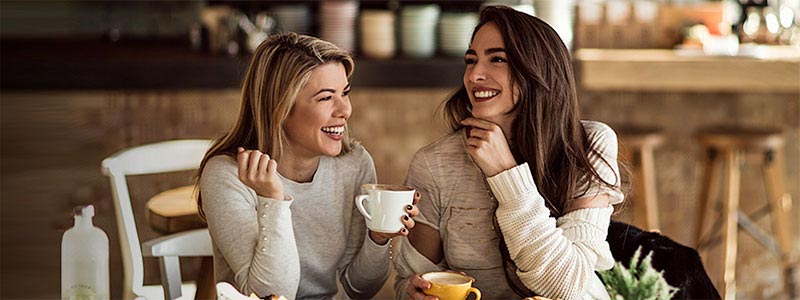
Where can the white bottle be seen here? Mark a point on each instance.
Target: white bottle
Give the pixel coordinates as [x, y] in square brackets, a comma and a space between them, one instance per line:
[84, 259]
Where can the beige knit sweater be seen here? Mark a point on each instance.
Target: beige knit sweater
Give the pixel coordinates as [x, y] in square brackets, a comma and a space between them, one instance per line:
[556, 258]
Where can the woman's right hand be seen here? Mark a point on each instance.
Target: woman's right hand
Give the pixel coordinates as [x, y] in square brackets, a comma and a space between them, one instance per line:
[415, 286]
[260, 173]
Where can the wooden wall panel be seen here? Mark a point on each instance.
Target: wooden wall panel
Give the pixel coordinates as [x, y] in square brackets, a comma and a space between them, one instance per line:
[52, 144]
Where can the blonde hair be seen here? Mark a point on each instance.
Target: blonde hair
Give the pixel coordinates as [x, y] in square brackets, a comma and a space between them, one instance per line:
[279, 68]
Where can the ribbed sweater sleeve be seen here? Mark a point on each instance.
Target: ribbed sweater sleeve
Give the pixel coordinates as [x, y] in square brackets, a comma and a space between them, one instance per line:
[554, 259]
[254, 234]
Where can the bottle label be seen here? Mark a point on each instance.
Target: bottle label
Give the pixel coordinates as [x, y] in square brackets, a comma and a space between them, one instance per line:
[82, 292]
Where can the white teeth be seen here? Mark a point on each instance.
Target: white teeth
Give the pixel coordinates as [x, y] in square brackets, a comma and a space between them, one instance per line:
[334, 129]
[485, 94]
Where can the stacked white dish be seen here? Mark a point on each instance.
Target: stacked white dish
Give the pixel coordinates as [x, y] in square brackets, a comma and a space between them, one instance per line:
[377, 34]
[418, 30]
[337, 22]
[560, 15]
[293, 18]
[455, 31]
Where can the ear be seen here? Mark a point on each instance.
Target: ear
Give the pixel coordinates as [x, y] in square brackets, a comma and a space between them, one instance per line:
[515, 96]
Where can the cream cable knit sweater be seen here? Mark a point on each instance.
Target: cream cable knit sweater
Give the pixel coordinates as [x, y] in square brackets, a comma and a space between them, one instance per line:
[556, 258]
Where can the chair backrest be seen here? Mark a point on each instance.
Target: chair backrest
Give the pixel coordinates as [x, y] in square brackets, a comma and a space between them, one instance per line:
[162, 157]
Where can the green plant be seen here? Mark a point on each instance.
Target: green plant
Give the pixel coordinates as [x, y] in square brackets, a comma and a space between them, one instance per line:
[637, 282]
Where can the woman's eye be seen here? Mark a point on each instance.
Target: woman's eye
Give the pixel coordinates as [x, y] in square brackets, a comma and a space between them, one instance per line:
[469, 61]
[346, 93]
[498, 59]
[326, 98]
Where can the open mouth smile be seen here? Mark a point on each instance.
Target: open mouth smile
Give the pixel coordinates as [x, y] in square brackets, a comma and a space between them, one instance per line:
[334, 132]
[484, 94]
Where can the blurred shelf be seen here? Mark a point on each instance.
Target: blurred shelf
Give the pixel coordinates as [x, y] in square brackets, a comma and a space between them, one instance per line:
[142, 65]
[776, 69]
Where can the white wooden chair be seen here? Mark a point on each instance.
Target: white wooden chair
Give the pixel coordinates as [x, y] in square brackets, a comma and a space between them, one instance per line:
[162, 157]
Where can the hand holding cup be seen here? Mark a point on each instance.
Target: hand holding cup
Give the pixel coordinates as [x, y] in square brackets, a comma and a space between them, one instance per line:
[388, 209]
[445, 285]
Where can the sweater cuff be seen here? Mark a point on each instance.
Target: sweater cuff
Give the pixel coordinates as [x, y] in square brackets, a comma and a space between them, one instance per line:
[512, 183]
[268, 210]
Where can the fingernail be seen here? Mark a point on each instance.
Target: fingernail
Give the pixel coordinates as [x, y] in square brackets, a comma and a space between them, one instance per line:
[409, 207]
[405, 218]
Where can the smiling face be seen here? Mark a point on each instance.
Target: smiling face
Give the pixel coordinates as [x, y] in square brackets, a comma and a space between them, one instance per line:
[487, 77]
[317, 122]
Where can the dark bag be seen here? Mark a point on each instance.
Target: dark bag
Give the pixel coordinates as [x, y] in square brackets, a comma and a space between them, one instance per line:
[682, 266]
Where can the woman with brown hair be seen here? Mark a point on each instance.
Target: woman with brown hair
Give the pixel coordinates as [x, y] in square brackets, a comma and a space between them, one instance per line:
[278, 189]
[520, 194]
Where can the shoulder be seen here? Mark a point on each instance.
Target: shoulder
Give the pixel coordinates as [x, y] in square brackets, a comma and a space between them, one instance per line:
[220, 180]
[358, 156]
[357, 162]
[449, 144]
[220, 170]
[600, 134]
[439, 157]
[220, 165]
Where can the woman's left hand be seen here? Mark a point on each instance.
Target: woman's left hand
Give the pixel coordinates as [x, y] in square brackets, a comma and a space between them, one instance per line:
[412, 211]
[488, 146]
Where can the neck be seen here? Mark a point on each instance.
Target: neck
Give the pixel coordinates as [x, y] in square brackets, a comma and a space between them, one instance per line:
[298, 169]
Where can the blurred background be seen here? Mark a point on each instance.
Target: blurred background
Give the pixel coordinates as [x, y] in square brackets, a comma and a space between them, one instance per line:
[81, 80]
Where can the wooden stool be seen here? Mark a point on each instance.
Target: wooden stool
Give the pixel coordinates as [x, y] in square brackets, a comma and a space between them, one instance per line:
[637, 147]
[174, 211]
[727, 150]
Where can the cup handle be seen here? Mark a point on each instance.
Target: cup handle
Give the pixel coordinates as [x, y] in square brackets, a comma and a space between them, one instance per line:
[475, 291]
[360, 204]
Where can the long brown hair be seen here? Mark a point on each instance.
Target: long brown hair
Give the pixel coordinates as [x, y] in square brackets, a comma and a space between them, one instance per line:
[547, 132]
[279, 68]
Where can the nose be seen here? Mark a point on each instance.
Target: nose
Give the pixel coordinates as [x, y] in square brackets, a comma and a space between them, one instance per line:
[476, 73]
[342, 108]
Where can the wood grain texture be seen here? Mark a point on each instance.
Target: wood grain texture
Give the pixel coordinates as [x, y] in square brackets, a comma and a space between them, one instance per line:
[664, 70]
[52, 144]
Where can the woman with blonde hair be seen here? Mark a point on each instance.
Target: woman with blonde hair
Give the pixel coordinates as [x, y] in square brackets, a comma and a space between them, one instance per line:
[520, 194]
[278, 189]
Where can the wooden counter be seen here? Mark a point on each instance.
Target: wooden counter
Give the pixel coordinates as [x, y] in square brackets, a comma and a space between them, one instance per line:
[776, 70]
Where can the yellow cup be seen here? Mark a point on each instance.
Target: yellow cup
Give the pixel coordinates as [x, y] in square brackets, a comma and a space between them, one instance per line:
[450, 285]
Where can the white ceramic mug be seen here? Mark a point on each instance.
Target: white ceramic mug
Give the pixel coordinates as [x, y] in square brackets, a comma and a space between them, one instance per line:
[385, 206]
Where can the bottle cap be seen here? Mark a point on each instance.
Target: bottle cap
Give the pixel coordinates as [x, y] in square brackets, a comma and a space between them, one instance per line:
[84, 211]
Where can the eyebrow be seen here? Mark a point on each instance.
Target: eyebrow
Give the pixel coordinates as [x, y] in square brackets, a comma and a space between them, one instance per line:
[331, 90]
[487, 51]
[494, 50]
